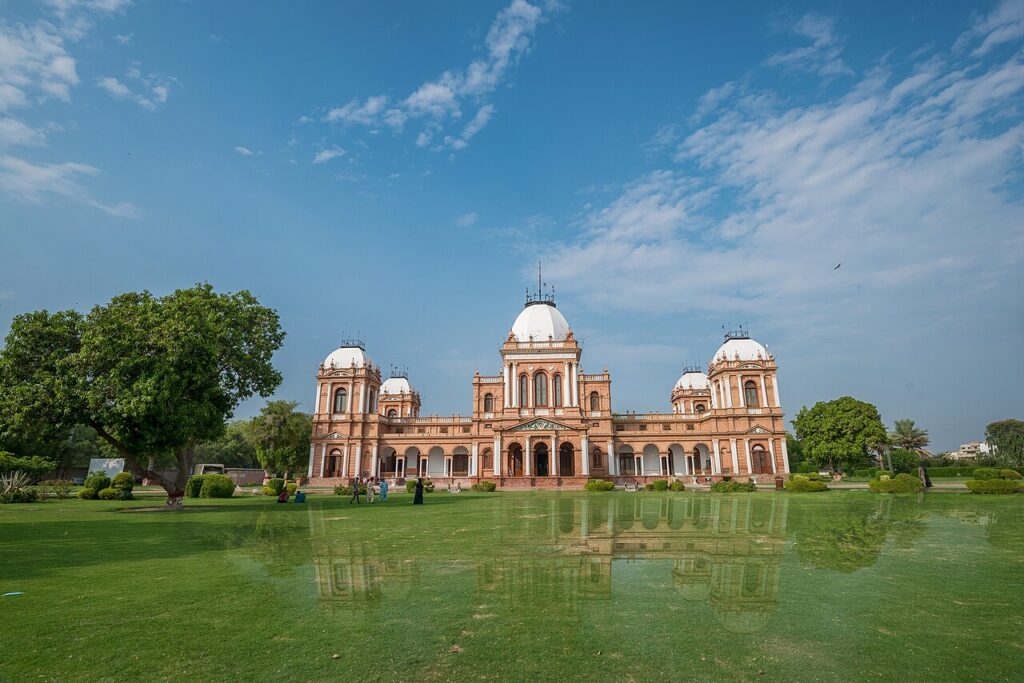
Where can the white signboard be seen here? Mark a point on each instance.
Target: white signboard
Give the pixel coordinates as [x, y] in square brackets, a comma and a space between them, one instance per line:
[110, 466]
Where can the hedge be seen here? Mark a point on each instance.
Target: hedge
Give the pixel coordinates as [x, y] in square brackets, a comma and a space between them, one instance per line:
[901, 483]
[485, 485]
[994, 486]
[276, 485]
[733, 487]
[599, 485]
[87, 493]
[800, 485]
[217, 486]
[661, 484]
[677, 486]
[410, 486]
[194, 485]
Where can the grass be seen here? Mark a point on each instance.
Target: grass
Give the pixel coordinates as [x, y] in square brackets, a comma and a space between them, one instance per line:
[527, 586]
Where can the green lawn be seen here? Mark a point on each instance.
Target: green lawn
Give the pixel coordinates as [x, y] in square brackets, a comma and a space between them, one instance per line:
[844, 585]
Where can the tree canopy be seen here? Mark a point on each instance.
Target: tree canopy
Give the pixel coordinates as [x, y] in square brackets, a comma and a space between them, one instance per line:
[281, 436]
[153, 376]
[908, 436]
[1008, 438]
[842, 432]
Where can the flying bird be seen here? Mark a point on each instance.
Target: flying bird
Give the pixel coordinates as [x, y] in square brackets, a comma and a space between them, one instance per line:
[837, 267]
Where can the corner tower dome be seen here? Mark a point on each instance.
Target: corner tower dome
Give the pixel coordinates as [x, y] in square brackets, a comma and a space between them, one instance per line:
[349, 354]
[396, 385]
[540, 321]
[692, 380]
[739, 346]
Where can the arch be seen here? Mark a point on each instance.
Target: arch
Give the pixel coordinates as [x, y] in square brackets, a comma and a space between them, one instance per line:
[566, 460]
[750, 393]
[488, 403]
[651, 463]
[677, 456]
[388, 464]
[340, 401]
[595, 400]
[412, 460]
[524, 391]
[540, 389]
[514, 466]
[699, 408]
[435, 462]
[392, 412]
[541, 460]
[759, 462]
[596, 458]
[556, 390]
[487, 460]
[701, 459]
[332, 467]
[627, 460]
[371, 403]
[460, 462]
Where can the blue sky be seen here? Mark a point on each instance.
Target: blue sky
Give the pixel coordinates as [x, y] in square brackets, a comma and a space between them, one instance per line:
[396, 170]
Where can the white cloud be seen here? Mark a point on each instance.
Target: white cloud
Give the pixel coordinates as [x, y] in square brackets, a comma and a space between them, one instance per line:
[33, 182]
[475, 125]
[1003, 25]
[114, 87]
[14, 133]
[325, 155]
[152, 89]
[467, 220]
[822, 56]
[244, 151]
[33, 65]
[124, 38]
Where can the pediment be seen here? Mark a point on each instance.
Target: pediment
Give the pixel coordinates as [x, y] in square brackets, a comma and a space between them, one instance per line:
[333, 435]
[538, 425]
[757, 429]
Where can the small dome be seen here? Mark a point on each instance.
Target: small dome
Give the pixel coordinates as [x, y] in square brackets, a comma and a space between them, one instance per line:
[540, 322]
[396, 385]
[348, 356]
[692, 380]
[741, 348]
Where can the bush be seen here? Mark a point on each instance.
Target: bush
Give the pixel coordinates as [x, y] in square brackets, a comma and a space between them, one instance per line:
[87, 493]
[1009, 474]
[677, 486]
[194, 485]
[806, 467]
[733, 487]
[55, 488]
[993, 486]
[109, 493]
[983, 473]
[346, 490]
[487, 486]
[660, 485]
[598, 485]
[292, 488]
[951, 471]
[902, 483]
[904, 461]
[276, 485]
[410, 486]
[814, 476]
[801, 485]
[34, 467]
[23, 495]
[217, 486]
[267, 491]
[97, 481]
[648, 487]
[124, 480]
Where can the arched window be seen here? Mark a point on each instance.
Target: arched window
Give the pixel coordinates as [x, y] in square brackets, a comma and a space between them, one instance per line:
[699, 408]
[488, 403]
[372, 407]
[750, 393]
[760, 461]
[488, 459]
[340, 401]
[595, 458]
[595, 401]
[556, 390]
[524, 391]
[392, 413]
[540, 389]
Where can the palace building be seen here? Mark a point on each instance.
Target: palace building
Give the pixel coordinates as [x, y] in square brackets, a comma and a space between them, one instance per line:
[543, 422]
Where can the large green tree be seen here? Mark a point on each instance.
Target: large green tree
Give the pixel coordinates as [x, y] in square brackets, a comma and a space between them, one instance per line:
[1007, 436]
[153, 376]
[843, 432]
[908, 436]
[281, 435]
[233, 448]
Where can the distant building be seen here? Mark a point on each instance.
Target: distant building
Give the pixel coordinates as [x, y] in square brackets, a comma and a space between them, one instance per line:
[971, 451]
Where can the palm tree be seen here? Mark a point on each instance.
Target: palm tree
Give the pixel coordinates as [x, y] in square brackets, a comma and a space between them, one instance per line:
[906, 434]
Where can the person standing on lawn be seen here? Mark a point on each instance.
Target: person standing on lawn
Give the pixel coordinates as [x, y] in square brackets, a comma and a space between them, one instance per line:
[355, 491]
[384, 490]
[369, 490]
[417, 499]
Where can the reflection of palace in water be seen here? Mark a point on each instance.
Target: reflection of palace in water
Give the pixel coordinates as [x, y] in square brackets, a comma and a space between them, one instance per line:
[723, 551]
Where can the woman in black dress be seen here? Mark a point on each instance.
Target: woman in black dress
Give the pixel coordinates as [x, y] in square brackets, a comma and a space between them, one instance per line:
[417, 498]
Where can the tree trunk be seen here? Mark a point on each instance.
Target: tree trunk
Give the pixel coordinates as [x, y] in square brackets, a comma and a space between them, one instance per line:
[175, 487]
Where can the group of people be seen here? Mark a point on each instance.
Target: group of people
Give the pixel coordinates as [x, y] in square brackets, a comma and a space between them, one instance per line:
[300, 496]
[376, 486]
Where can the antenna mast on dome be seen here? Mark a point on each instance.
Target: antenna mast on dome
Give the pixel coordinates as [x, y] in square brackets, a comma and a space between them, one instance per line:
[542, 295]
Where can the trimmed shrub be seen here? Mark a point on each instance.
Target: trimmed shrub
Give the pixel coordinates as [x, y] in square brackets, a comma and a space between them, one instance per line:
[124, 480]
[61, 488]
[1009, 474]
[217, 486]
[801, 485]
[661, 484]
[993, 486]
[97, 481]
[292, 488]
[87, 493]
[677, 486]
[486, 486]
[733, 487]
[599, 485]
[267, 491]
[902, 483]
[24, 495]
[983, 473]
[814, 476]
[410, 486]
[109, 493]
[950, 471]
[648, 487]
[276, 485]
[194, 485]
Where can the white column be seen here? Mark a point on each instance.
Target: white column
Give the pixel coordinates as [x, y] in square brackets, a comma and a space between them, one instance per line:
[498, 462]
[746, 445]
[775, 390]
[735, 457]
[316, 401]
[613, 459]
[575, 384]
[516, 398]
[526, 454]
[359, 459]
[373, 461]
[344, 462]
[553, 455]
[712, 397]
[312, 452]
[351, 398]
[585, 456]
[473, 471]
[771, 451]
[323, 458]
[716, 465]
[739, 386]
[785, 456]
[728, 391]
[764, 393]
[531, 392]
[566, 391]
[508, 389]
[362, 397]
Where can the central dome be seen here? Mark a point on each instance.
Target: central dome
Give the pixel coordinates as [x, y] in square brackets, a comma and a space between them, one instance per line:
[540, 322]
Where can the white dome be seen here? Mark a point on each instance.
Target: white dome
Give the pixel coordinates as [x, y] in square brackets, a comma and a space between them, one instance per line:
[540, 322]
[346, 357]
[396, 385]
[692, 380]
[744, 349]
